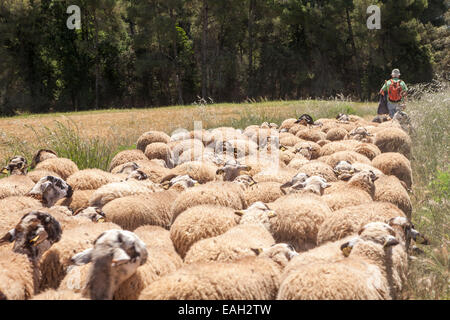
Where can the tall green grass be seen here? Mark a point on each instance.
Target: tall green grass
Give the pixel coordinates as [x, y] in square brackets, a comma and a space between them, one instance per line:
[430, 273]
[68, 142]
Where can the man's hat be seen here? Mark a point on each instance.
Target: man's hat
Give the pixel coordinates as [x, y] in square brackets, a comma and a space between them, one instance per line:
[395, 73]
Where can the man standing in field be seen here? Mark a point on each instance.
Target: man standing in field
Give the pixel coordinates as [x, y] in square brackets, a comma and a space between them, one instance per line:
[396, 90]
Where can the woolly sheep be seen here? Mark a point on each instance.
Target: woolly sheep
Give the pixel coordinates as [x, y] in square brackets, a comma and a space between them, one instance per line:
[263, 191]
[58, 295]
[91, 179]
[55, 261]
[198, 170]
[41, 155]
[78, 200]
[349, 220]
[37, 175]
[61, 166]
[335, 134]
[396, 164]
[311, 134]
[16, 276]
[318, 168]
[368, 149]
[111, 191]
[200, 222]
[159, 150]
[249, 278]
[125, 157]
[297, 220]
[349, 156]
[393, 140]
[151, 137]
[389, 189]
[227, 194]
[364, 274]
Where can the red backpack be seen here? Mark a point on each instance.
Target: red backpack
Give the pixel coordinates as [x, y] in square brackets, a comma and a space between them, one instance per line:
[395, 91]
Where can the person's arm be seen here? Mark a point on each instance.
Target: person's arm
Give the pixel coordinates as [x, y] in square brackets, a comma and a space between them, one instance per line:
[384, 88]
[404, 90]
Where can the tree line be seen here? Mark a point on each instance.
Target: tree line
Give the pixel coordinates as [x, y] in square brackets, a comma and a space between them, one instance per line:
[149, 53]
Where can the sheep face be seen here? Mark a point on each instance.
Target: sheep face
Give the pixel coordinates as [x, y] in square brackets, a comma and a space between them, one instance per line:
[180, 183]
[344, 170]
[245, 181]
[50, 189]
[34, 234]
[304, 120]
[16, 166]
[314, 184]
[115, 257]
[92, 213]
[341, 117]
[407, 231]
[365, 180]
[281, 253]
[297, 179]
[232, 169]
[378, 233]
[258, 212]
[305, 151]
[129, 167]
[41, 155]
[137, 175]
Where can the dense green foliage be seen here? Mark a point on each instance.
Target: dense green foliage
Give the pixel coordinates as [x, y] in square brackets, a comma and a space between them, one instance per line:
[136, 53]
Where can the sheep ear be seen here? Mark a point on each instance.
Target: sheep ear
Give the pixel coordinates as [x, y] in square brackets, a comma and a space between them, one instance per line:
[257, 251]
[78, 211]
[346, 248]
[390, 241]
[9, 237]
[240, 213]
[119, 257]
[361, 230]
[82, 258]
[5, 170]
[390, 221]
[220, 171]
[325, 185]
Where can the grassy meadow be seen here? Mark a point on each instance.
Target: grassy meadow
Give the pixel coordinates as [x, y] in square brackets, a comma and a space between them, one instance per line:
[91, 139]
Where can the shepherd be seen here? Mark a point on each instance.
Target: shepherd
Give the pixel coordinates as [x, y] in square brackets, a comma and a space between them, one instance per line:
[394, 92]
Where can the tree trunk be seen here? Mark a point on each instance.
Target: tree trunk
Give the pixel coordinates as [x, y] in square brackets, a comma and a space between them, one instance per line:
[355, 56]
[97, 69]
[204, 49]
[175, 61]
[250, 49]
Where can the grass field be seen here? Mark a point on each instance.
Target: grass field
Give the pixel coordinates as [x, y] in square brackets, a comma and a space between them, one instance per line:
[91, 139]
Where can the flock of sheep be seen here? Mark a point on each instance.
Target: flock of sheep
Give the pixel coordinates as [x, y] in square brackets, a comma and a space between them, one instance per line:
[305, 210]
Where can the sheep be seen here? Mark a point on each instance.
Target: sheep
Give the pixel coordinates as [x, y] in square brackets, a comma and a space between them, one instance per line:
[344, 170]
[16, 276]
[159, 150]
[179, 183]
[150, 137]
[162, 259]
[232, 169]
[321, 143]
[125, 157]
[333, 147]
[18, 183]
[318, 168]
[130, 187]
[227, 194]
[115, 257]
[361, 134]
[393, 140]
[349, 220]
[35, 233]
[310, 134]
[349, 156]
[91, 179]
[368, 149]
[61, 166]
[268, 191]
[364, 274]
[297, 220]
[12, 210]
[79, 199]
[198, 170]
[56, 260]
[297, 162]
[251, 232]
[288, 139]
[287, 124]
[335, 134]
[381, 118]
[152, 168]
[37, 175]
[396, 164]
[132, 212]
[358, 190]
[308, 149]
[305, 183]
[41, 155]
[249, 278]
[200, 222]
[389, 189]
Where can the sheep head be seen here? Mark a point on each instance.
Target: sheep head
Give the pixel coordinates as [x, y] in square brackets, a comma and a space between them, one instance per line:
[314, 184]
[258, 212]
[92, 213]
[407, 231]
[137, 175]
[304, 120]
[34, 234]
[180, 183]
[364, 180]
[245, 181]
[129, 167]
[231, 170]
[281, 253]
[373, 233]
[50, 189]
[41, 155]
[115, 257]
[16, 166]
